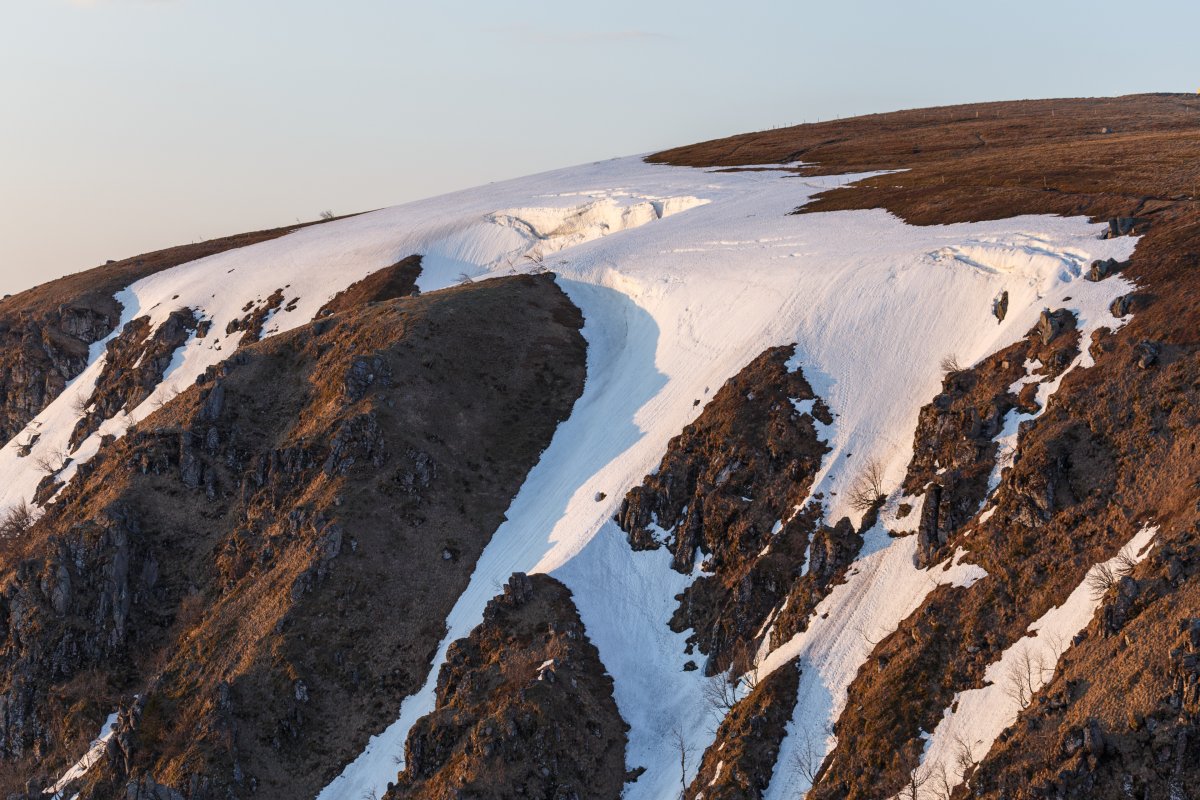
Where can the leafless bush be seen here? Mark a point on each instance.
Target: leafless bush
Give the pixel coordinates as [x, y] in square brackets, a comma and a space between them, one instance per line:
[964, 755]
[806, 758]
[720, 694]
[16, 520]
[1125, 561]
[679, 745]
[51, 461]
[912, 787]
[1100, 579]
[326, 214]
[949, 364]
[940, 781]
[80, 403]
[868, 486]
[1024, 676]
[464, 279]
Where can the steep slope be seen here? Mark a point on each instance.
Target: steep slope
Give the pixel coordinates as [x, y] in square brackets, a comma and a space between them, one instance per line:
[940, 408]
[1104, 455]
[331, 485]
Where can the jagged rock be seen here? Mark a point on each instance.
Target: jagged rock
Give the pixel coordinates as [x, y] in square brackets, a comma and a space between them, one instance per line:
[1000, 306]
[523, 708]
[1102, 269]
[1146, 354]
[1121, 306]
[1051, 322]
[362, 373]
[1093, 738]
[519, 589]
[1122, 226]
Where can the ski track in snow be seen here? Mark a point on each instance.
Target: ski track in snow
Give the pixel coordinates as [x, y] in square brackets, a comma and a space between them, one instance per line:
[683, 276]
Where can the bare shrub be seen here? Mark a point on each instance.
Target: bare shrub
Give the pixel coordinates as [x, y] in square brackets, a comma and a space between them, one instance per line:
[679, 745]
[912, 786]
[720, 694]
[1125, 562]
[868, 486]
[464, 279]
[1100, 579]
[806, 758]
[326, 214]
[940, 782]
[1024, 676]
[949, 364]
[80, 403]
[964, 755]
[51, 461]
[16, 520]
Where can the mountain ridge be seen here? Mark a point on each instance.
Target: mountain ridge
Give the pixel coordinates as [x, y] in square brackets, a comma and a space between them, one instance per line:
[1060, 432]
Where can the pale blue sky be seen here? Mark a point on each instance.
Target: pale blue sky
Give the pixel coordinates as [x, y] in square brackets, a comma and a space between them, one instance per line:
[129, 125]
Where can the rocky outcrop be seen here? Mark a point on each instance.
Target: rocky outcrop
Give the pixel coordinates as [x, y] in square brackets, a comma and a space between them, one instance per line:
[742, 758]
[246, 523]
[257, 313]
[40, 354]
[134, 364]
[954, 446]
[46, 332]
[524, 708]
[398, 280]
[725, 497]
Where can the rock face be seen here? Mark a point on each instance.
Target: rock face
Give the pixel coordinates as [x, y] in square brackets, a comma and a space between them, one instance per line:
[726, 489]
[742, 759]
[245, 525]
[41, 352]
[524, 708]
[955, 448]
[134, 364]
[46, 332]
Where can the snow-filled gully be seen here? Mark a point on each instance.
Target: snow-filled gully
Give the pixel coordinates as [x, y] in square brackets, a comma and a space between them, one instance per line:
[977, 716]
[683, 277]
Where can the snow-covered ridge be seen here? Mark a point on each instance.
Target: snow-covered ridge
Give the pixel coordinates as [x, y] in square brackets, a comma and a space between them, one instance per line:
[683, 277]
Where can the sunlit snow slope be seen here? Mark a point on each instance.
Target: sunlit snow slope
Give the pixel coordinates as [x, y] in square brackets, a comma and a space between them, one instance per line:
[683, 276]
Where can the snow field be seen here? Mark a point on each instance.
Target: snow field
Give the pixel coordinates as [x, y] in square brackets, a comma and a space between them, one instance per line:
[683, 277]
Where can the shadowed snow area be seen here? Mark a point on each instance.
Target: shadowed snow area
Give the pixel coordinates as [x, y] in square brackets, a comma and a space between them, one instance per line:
[683, 277]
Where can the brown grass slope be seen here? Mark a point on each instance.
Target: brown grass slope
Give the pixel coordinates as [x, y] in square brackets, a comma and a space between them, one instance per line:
[1115, 448]
[268, 560]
